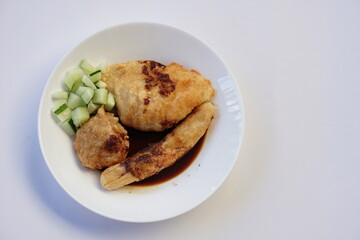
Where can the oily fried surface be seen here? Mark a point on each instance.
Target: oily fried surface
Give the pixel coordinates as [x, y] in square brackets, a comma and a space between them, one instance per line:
[152, 97]
[101, 141]
[153, 159]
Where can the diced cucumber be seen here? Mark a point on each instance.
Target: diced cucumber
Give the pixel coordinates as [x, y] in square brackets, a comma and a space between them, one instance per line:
[86, 66]
[100, 96]
[96, 72]
[84, 95]
[79, 116]
[61, 109]
[110, 102]
[80, 90]
[92, 107]
[88, 82]
[76, 86]
[64, 115]
[87, 95]
[69, 81]
[101, 84]
[95, 76]
[60, 95]
[101, 66]
[68, 127]
[76, 73]
[75, 101]
[57, 105]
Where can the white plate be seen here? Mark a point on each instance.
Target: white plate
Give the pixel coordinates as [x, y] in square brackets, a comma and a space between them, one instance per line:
[165, 44]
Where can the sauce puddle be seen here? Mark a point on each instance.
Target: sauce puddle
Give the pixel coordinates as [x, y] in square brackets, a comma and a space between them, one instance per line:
[140, 140]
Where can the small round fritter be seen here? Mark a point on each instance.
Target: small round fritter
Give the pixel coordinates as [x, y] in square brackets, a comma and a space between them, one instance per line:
[153, 97]
[101, 141]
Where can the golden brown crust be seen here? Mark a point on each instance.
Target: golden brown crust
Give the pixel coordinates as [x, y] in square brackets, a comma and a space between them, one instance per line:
[152, 97]
[101, 141]
[163, 154]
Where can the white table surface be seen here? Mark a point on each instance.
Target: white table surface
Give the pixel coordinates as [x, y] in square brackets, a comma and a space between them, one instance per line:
[298, 67]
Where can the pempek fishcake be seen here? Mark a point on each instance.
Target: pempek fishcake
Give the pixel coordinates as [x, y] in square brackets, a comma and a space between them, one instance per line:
[153, 97]
[101, 141]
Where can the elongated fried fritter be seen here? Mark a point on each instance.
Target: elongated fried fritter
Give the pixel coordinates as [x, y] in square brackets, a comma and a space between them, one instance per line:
[158, 156]
[101, 141]
[152, 97]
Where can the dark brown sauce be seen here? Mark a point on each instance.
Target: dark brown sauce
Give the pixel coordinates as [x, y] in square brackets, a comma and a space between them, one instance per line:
[139, 140]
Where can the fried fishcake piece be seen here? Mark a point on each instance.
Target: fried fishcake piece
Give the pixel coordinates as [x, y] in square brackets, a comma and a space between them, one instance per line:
[158, 156]
[153, 97]
[101, 141]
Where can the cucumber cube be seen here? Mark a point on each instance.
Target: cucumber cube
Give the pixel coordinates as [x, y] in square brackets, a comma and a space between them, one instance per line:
[77, 85]
[75, 101]
[95, 76]
[101, 84]
[87, 95]
[57, 105]
[80, 90]
[68, 126]
[69, 81]
[60, 95]
[79, 116]
[86, 66]
[100, 96]
[110, 102]
[61, 109]
[64, 115]
[88, 82]
[92, 107]
[76, 73]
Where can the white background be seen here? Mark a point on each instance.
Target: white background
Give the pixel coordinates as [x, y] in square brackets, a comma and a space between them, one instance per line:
[298, 67]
